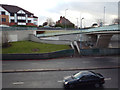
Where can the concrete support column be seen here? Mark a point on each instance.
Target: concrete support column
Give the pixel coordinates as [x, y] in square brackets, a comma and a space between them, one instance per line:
[103, 41]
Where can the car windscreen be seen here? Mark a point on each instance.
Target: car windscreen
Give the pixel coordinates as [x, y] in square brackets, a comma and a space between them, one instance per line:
[80, 74]
[77, 75]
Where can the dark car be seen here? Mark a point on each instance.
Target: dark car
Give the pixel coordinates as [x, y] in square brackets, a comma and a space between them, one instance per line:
[84, 78]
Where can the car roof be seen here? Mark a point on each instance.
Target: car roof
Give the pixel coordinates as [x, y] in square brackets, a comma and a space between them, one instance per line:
[83, 73]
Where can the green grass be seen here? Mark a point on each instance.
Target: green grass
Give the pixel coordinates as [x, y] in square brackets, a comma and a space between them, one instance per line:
[32, 47]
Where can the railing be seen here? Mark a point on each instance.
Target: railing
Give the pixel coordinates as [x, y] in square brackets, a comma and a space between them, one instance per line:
[17, 28]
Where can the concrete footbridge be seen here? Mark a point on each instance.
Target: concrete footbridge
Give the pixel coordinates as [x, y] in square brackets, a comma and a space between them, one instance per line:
[100, 37]
[102, 30]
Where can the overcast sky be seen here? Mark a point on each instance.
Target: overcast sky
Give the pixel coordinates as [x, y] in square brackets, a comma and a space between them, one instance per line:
[91, 10]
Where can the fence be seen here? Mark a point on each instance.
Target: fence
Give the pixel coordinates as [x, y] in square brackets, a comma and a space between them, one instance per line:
[17, 28]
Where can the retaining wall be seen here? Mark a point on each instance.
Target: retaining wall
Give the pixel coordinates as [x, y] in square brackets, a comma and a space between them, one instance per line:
[36, 39]
[102, 51]
[58, 54]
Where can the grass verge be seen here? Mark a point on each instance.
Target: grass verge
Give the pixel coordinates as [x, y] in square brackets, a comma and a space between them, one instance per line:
[32, 47]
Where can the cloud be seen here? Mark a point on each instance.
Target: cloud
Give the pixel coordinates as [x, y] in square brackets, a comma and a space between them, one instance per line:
[89, 9]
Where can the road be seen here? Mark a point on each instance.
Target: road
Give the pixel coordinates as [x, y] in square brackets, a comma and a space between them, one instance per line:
[53, 79]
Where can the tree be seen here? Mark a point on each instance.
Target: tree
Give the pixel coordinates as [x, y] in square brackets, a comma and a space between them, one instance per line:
[116, 21]
[50, 22]
[45, 23]
[100, 22]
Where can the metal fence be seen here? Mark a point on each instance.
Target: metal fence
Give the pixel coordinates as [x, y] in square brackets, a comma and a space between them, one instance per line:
[17, 28]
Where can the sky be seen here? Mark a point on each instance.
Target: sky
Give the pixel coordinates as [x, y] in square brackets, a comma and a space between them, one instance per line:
[74, 10]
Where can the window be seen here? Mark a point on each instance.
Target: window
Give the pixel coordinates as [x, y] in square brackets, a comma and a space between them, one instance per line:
[12, 20]
[86, 77]
[22, 21]
[29, 15]
[93, 77]
[29, 21]
[3, 12]
[21, 15]
[3, 19]
[11, 14]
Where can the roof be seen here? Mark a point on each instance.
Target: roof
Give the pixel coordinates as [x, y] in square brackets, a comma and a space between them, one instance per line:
[35, 16]
[13, 9]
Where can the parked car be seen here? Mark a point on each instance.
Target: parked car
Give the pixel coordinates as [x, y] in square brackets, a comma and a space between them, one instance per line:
[84, 78]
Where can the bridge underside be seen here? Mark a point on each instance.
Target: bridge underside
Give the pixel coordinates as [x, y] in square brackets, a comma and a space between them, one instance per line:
[103, 41]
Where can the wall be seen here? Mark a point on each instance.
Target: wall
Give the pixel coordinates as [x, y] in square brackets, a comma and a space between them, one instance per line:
[36, 39]
[19, 34]
[102, 51]
[58, 54]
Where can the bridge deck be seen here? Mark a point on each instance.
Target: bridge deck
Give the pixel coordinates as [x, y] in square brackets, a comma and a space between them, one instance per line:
[105, 29]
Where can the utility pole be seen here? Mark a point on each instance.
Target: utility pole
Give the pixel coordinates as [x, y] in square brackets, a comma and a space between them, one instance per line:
[104, 16]
[77, 22]
[81, 22]
[65, 18]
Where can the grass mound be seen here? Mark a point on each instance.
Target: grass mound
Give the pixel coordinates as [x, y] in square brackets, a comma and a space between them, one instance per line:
[32, 47]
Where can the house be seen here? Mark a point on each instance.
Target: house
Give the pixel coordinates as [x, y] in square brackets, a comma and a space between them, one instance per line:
[63, 22]
[13, 15]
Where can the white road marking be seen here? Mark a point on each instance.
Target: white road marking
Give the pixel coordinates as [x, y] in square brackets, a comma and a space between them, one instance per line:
[107, 79]
[18, 83]
[60, 81]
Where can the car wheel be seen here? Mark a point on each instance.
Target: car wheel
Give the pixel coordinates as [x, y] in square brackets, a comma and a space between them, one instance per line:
[97, 85]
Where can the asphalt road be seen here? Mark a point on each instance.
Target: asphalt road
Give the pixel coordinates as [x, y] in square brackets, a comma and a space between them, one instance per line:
[55, 79]
[81, 62]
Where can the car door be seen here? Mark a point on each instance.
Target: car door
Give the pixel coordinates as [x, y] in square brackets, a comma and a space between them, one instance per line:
[83, 80]
[93, 79]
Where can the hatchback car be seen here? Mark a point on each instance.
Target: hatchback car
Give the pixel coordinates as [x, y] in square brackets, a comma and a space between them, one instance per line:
[84, 78]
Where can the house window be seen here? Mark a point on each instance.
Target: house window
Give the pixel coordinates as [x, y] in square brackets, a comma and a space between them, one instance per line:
[12, 20]
[3, 12]
[29, 21]
[3, 19]
[21, 15]
[22, 21]
[29, 15]
[11, 14]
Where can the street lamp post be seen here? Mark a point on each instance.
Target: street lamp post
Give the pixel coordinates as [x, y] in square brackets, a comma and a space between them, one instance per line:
[81, 35]
[104, 16]
[77, 22]
[81, 22]
[65, 18]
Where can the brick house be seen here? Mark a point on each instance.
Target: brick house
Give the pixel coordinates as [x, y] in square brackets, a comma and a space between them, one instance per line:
[64, 21]
[13, 15]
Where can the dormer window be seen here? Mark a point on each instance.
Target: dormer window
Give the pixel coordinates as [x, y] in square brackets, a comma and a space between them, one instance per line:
[29, 15]
[11, 14]
[3, 12]
[22, 15]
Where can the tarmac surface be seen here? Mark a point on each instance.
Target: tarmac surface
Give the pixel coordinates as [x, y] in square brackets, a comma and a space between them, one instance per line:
[50, 73]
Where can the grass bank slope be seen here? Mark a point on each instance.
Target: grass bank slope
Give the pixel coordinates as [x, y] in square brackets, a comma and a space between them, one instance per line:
[32, 47]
